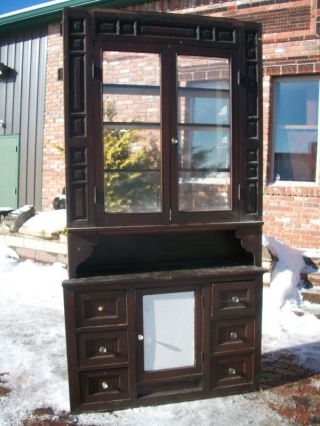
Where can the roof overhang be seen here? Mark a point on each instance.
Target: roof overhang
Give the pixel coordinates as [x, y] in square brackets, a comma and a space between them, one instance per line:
[46, 13]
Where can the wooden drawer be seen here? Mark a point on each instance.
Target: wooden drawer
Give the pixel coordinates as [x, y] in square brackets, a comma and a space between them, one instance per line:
[102, 348]
[232, 335]
[101, 308]
[99, 386]
[231, 370]
[234, 299]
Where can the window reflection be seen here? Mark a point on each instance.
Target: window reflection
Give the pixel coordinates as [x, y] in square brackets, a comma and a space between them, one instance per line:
[204, 133]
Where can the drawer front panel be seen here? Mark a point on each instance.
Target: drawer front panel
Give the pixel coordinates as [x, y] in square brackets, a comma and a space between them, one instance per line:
[232, 335]
[101, 308]
[102, 348]
[233, 299]
[231, 370]
[99, 386]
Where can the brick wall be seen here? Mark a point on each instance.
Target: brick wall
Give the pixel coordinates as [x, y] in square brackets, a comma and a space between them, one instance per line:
[53, 146]
[291, 213]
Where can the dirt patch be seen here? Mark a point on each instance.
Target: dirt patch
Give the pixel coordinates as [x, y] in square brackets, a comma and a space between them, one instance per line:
[3, 390]
[298, 401]
[46, 417]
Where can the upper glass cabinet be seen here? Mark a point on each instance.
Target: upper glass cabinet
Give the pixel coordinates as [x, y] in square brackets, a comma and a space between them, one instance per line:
[163, 119]
[167, 135]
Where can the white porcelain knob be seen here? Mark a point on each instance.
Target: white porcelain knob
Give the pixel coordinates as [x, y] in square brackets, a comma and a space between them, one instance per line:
[233, 335]
[104, 385]
[103, 349]
[235, 299]
[232, 371]
[140, 337]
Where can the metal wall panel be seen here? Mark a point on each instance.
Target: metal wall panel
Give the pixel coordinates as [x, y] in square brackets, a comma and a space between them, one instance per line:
[22, 103]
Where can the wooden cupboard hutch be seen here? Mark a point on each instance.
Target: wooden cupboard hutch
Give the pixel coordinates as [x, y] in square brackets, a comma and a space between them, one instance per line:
[163, 154]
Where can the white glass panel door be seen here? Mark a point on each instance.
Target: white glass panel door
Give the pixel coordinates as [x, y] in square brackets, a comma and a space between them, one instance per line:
[169, 330]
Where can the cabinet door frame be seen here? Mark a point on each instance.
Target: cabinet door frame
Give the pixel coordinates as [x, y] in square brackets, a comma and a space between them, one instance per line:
[208, 216]
[127, 219]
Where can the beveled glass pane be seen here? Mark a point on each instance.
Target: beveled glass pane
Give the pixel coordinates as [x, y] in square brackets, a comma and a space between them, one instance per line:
[203, 191]
[169, 330]
[204, 149]
[204, 133]
[132, 192]
[131, 68]
[211, 106]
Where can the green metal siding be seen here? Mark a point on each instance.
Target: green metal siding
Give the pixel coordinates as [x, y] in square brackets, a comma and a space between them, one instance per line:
[22, 105]
[9, 170]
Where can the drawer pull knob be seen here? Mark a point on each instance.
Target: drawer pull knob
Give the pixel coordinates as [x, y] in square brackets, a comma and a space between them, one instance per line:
[232, 371]
[104, 385]
[103, 349]
[233, 335]
[100, 308]
[140, 337]
[235, 299]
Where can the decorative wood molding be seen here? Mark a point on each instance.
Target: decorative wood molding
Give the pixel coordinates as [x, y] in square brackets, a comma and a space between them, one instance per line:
[253, 119]
[250, 240]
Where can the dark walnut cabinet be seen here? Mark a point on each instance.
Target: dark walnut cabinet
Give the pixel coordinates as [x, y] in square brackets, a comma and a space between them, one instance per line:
[163, 154]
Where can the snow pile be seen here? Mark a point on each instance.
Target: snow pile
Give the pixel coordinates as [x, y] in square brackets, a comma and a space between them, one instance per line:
[45, 225]
[32, 338]
[285, 276]
[281, 327]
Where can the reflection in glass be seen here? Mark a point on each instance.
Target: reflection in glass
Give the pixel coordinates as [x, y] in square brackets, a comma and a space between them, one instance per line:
[132, 107]
[132, 172]
[169, 330]
[208, 105]
[131, 119]
[131, 68]
[204, 133]
[199, 191]
[204, 149]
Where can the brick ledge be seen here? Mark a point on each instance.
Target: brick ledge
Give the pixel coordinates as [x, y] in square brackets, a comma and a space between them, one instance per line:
[38, 249]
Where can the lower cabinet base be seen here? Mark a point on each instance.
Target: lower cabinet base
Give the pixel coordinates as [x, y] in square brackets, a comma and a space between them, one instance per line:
[157, 338]
[168, 398]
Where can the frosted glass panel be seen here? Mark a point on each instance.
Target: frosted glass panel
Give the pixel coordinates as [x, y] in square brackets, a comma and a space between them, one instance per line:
[168, 328]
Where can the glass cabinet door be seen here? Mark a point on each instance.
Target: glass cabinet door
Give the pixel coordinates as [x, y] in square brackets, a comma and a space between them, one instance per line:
[131, 132]
[204, 133]
[168, 330]
[169, 333]
[166, 135]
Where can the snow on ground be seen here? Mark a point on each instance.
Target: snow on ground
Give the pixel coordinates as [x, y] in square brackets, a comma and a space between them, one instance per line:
[32, 354]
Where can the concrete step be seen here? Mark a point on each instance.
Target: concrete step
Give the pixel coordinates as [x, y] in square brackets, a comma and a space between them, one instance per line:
[312, 260]
[311, 278]
[311, 295]
[308, 308]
